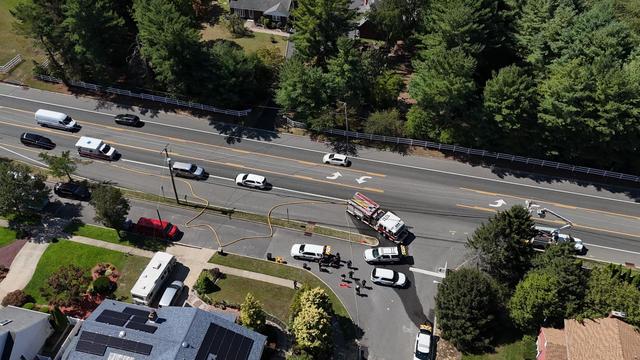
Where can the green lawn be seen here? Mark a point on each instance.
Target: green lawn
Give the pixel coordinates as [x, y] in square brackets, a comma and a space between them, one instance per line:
[249, 44]
[522, 349]
[110, 235]
[275, 299]
[282, 271]
[66, 252]
[13, 44]
[7, 236]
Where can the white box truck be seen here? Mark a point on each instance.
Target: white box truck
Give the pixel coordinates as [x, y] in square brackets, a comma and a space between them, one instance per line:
[95, 148]
[56, 120]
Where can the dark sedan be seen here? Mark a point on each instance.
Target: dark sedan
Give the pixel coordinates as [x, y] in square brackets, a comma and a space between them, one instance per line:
[36, 140]
[72, 190]
[128, 119]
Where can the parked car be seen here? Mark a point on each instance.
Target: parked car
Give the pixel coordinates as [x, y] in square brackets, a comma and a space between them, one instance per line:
[251, 180]
[336, 159]
[309, 251]
[171, 294]
[188, 170]
[72, 190]
[423, 343]
[35, 140]
[388, 277]
[390, 254]
[127, 119]
[154, 227]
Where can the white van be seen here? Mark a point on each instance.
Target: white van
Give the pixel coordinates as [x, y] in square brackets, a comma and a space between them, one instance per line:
[56, 120]
[95, 148]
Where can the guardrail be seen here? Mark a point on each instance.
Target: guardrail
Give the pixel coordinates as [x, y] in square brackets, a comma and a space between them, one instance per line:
[149, 97]
[486, 154]
[6, 68]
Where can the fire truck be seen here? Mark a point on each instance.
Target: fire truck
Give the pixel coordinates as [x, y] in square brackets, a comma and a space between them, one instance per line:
[386, 223]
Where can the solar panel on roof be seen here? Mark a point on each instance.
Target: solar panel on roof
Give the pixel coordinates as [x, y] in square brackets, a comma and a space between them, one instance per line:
[115, 314]
[136, 312]
[142, 327]
[90, 348]
[224, 344]
[139, 319]
[103, 318]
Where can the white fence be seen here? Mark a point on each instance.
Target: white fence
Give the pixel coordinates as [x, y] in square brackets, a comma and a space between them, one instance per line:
[486, 154]
[6, 68]
[148, 97]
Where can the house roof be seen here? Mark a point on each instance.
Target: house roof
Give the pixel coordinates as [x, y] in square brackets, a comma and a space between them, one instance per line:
[601, 339]
[115, 329]
[556, 347]
[268, 7]
[18, 319]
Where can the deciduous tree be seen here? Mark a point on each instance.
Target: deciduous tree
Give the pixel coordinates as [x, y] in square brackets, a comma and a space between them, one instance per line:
[62, 165]
[536, 301]
[502, 245]
[66, 286]
[466, 305]
[396, 19]
[110, 205]
[251, 313]
[303, 89]
[385, 122]
[20, 190]
[612, 288]
[312, 330]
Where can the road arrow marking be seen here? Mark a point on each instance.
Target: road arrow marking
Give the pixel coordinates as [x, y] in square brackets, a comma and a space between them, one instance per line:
[498, 203]
[363, 179]
[334, 176]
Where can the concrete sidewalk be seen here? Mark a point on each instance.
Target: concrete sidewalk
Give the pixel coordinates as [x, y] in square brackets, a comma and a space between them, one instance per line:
[22, 268]
[194, 258]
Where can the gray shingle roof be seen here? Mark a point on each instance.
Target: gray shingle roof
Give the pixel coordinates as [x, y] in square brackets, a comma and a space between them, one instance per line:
[179, 335]
[275, 7]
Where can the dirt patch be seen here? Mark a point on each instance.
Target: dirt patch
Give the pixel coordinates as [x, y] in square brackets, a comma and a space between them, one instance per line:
[446, 351]
[420, 151]
[10, 251]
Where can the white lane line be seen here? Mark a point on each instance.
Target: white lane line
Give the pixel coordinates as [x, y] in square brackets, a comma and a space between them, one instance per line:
[427, 272]
[611, 248]
[233, 180]
[26, 157]
[365, 159]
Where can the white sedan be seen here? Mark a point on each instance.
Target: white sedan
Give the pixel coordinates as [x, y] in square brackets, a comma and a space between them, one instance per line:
[388, 277]
[336, 159]
[251, 180]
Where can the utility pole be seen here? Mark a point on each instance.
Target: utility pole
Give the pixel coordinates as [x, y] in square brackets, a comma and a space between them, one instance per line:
[346, 125]
[173, 181]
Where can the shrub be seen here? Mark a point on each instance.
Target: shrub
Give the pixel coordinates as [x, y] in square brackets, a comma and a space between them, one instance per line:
[103, 286]
[29, 306]
[17, 298]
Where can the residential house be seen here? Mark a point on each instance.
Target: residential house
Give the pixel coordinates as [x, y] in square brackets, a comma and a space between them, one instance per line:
[117, 330]
[275, 10]
[600, 339]
[22, 333]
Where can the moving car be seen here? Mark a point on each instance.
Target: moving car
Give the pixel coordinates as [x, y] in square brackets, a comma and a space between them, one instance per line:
[35, 140]
[57, 120]
[336, 159]
[171, 294]
[187, 170]
[154, 227]
[390, 254]
[72, 190]
[547, 236]
[127, 119]
[251, 180]
[309, 251]
[388, 277]
[423, 343]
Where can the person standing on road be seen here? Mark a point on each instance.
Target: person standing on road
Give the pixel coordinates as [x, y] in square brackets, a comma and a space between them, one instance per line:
[350, 274]
[358, 289]
[348, 264]
[364, 283]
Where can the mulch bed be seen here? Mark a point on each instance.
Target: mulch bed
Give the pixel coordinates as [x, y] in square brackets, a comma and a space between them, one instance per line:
[9, 252]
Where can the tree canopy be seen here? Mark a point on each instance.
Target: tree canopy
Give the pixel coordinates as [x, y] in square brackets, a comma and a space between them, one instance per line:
[110, 205]
[21, 192]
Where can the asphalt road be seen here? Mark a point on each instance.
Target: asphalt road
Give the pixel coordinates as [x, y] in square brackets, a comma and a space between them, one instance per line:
[441, 201]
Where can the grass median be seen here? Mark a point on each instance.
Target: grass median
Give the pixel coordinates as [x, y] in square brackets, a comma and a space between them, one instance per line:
[249, 216]
[7, 236]
[79, 228]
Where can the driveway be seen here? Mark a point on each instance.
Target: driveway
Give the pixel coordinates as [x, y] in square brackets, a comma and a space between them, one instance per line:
[22, 267]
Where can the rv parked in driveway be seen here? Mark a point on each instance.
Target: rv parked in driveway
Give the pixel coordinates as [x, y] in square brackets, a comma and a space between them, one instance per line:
[95, 148]
[56, 120]
[152, 278]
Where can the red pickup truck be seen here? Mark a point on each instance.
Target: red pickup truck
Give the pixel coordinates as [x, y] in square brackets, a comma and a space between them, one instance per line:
[155, 228]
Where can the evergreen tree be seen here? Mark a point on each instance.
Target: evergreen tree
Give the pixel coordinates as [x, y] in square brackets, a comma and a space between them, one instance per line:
[502, 245]
[612, 289]
[312, 330]
[347, 74]
[251, 313]
[96, 32]
[396, 19]
[467, 303]
[318, 24]
[303, 89]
